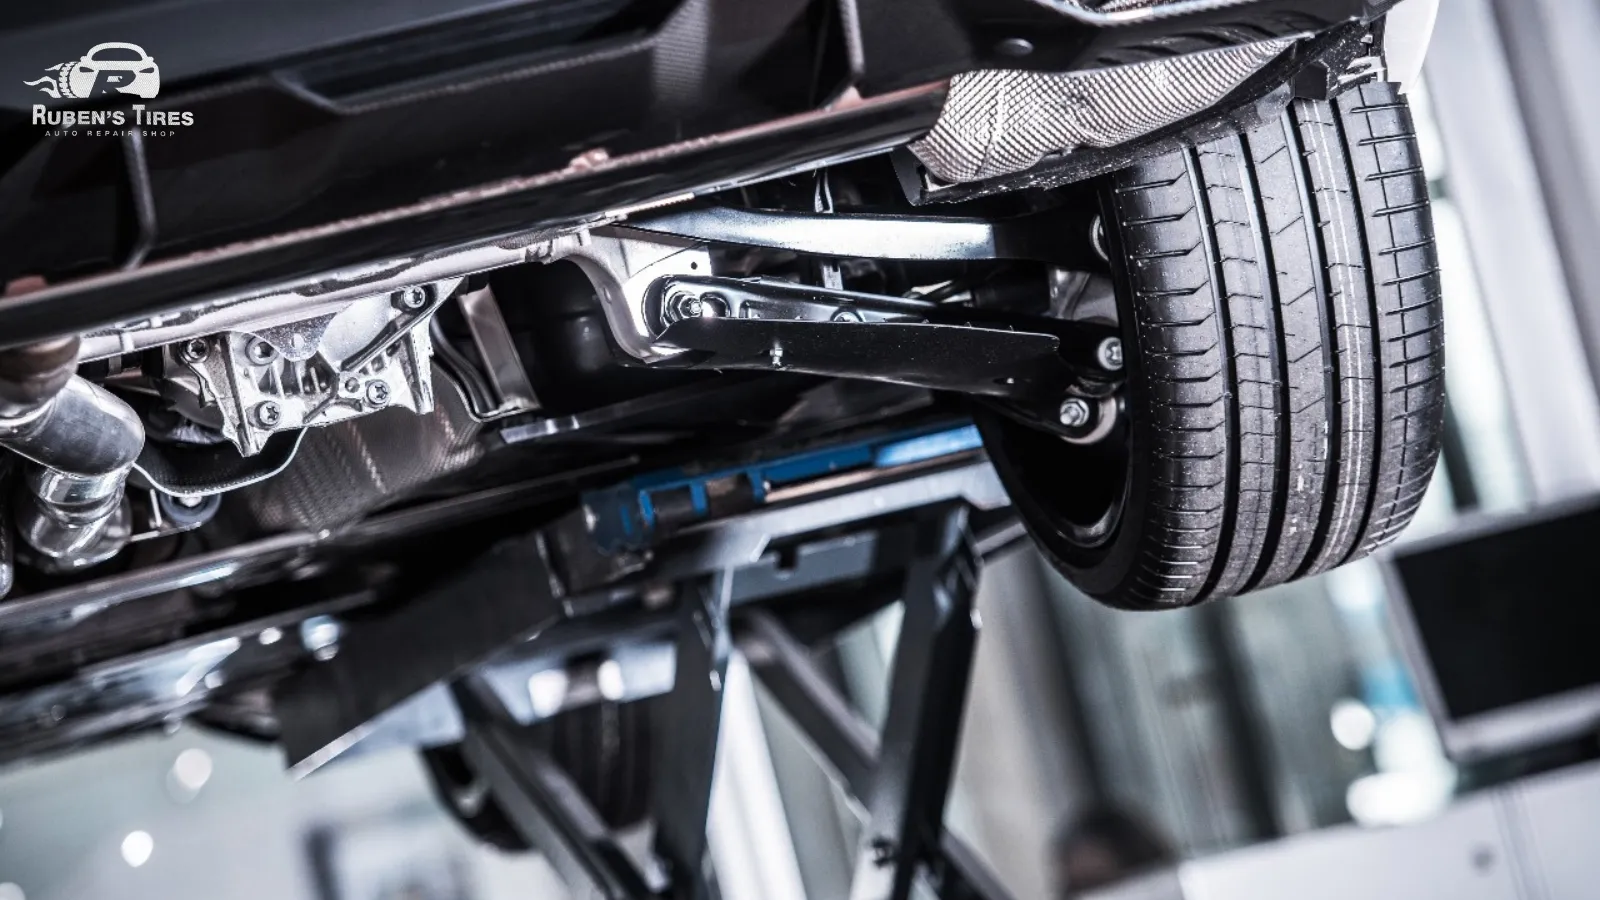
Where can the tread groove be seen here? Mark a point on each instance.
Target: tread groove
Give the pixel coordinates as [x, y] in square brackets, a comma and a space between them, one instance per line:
[1230, 417]
[1332, 396]
[1280, 347]
[1362, 224]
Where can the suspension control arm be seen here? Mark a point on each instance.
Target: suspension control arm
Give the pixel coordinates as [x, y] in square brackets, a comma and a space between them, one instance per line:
[1029, 365]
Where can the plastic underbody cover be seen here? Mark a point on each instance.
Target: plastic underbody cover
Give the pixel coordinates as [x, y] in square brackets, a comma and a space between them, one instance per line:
[1000, 121]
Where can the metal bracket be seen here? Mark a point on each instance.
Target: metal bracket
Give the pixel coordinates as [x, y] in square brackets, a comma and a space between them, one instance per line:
[689, 722]
[623, 264]
[513, 392]
[370, 355]
[903, 775]
[927, 693]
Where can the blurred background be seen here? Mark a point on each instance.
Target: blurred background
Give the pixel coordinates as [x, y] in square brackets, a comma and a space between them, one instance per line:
[1268, 746]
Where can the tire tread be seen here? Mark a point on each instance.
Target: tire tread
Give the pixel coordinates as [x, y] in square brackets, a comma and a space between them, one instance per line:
[1284, 291]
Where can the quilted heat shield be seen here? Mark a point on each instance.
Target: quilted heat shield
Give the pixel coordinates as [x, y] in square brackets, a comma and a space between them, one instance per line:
[1000, 121]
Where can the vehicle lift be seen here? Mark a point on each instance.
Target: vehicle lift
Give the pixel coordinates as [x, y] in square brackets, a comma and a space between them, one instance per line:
[909, 525]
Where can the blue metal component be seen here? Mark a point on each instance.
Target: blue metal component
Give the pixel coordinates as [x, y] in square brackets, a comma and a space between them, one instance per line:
[628, 517]
[928, 446]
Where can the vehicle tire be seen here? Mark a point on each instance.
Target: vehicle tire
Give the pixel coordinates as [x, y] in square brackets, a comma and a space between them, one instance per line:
[1278, 294]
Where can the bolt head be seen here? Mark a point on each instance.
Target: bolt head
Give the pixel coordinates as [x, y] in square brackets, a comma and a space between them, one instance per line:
[320, 636]
[189, 502]
[260, 352]
[378, 393]
[194, 350]
[352, 386]
[268, 414]
[1110, 354]
[411, 298]
[1075, 412]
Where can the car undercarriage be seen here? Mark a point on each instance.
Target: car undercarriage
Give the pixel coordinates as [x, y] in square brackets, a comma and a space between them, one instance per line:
[606, 339]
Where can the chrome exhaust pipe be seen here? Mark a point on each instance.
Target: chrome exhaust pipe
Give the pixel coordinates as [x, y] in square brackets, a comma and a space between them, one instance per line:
[82, 442]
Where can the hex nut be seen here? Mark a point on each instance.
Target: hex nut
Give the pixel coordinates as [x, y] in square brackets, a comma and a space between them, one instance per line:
[1075, 412]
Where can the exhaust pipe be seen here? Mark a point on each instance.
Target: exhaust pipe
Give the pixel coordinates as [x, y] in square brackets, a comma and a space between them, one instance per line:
[82, 442]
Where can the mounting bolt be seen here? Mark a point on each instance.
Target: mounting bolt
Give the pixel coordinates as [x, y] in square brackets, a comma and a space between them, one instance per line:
[691, 306]
[1110, 354]
[378, 393]
[1074, 412]
[845, 315]
[194, 350]
[320, 636]
[268, 414]
[352, 385]
[411, 298]
[260, 352]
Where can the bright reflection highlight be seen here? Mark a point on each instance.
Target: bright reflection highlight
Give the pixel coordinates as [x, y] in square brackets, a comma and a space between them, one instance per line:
[547, 691]
[137, 847]
[610, 682]
[1353, 724]
[191, 770]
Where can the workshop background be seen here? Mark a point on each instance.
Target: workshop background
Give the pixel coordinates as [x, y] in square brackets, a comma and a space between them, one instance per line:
[1276, 745]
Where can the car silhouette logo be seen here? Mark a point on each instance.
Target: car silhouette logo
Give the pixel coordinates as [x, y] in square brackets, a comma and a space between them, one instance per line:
[110, 68]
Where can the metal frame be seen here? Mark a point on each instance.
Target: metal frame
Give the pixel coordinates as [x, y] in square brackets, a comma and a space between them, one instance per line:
[902, 775]
[927, 693]
[688, 725]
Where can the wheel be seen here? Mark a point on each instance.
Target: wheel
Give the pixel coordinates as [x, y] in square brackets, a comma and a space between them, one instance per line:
[1278, 295]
